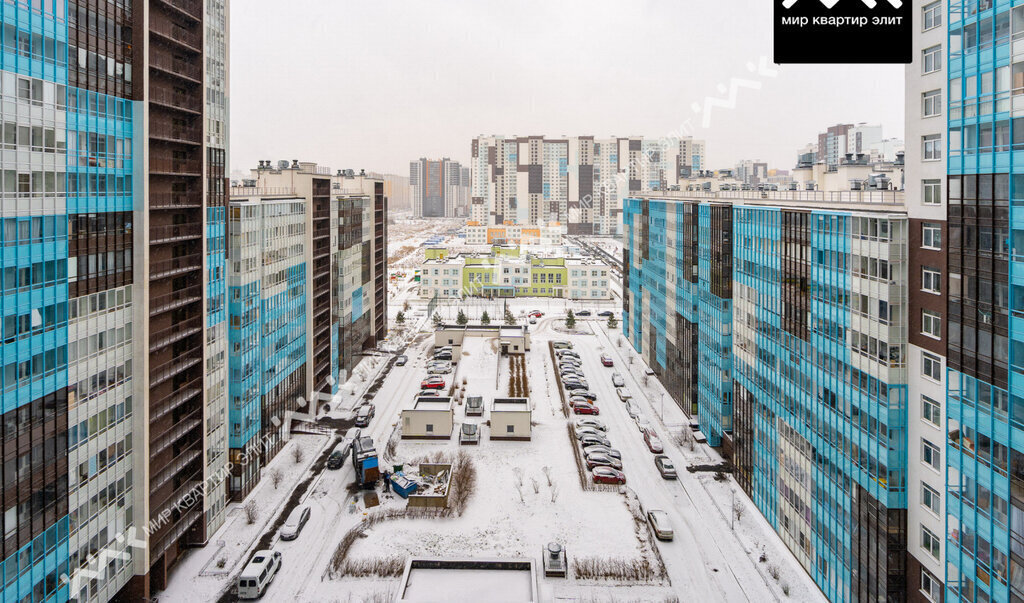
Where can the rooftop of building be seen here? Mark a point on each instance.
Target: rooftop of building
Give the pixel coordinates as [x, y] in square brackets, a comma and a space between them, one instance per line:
[429, 403]
[865, 201]
[510, 404]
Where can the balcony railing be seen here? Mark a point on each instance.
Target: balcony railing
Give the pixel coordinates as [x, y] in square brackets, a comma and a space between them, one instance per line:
[175, 200]
[192, 8]
[181, 68]
[163, 165]
[838, 197]
[175, 299]
[175, 332]
[176, 33]
[165, 268]
[171, 98]
[165, 371]
[182, 394]
[175, 232]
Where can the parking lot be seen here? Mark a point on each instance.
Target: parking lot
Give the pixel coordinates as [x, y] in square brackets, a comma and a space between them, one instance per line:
[528, 493]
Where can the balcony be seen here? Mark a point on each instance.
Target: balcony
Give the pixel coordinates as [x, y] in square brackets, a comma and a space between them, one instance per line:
[171, 133]
[176, 332]
[175, 167]
[180, 429]
[175, 200]
[175, 232]
[173, 99]
[181, 395]
[175, 299]
[181, 68]
[188, 8]
[176, 34]
[173, 266]
[165, 371]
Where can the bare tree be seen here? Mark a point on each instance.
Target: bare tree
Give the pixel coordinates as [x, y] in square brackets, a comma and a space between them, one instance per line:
[536, 485]
[276, 475]
[252, 512]
[518, 472]
[738, 509]
[547, 473]
[554, 493]
[297, 453]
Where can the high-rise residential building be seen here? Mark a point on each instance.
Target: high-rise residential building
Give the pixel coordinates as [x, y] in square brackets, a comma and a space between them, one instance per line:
[112, 211]
[832, 143]
[438, 188]
[396, 189]
[779, 319]
[928, 280]
[751, 172]
[980, 125]
[577, 182]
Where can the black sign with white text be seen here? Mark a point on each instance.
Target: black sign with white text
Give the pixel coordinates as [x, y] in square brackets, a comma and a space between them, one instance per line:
[843, 31]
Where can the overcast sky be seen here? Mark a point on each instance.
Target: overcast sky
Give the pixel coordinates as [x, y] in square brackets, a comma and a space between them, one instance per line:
[375, 84]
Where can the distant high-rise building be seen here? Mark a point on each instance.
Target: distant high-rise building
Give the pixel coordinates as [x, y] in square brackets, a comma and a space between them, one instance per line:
[578, 182]
[437, 188]
[751, 172]
[832, 144]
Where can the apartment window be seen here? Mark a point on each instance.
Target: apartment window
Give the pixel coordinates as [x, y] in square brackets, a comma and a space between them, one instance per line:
[931, 16]
[931, 324]
[931, 235]
[930, 454]
[931, 366]
[929, 542]
[930, 586]
[931, 103]
[932, 190]
[931, 147]
[931, 411]
[930, 498]
[931, 279]
[932, 58]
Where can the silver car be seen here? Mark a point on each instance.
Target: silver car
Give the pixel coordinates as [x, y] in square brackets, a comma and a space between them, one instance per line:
[617, 380]
[660, 524]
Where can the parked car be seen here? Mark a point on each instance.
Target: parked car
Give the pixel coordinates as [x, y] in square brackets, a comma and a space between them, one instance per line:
[585, 408]
[617, 380]
[535, 314]
[642, 424]
[443, 356]
[653, 442]
[633, 410]
[295, 522]
[584, 431]
[434, 382]
[561, 345]
[438, 369]
[606, 314]
[591, 423]
[660, 524]
[573, 385]
[345, 446]
[602, 460]
[607, 360]
[583, 313]
[585, 394]
[623, 394]
[608, 475]
[426, 392]
[469, 434]
[569, 365]
[402, 360]
[363, 415]
[612, 452]
[665, 467]
[649, 372]
[594, 440]
[533, 321]
[567, 353]
[258, 574]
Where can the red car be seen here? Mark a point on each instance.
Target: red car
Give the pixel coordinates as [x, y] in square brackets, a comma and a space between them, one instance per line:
[535, 314]
[432, 383]
[585, 408]
[607, 360]
[607, 475]
[653, 442]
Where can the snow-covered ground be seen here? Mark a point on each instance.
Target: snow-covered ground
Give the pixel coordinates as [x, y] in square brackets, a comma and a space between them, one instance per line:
[709, 560]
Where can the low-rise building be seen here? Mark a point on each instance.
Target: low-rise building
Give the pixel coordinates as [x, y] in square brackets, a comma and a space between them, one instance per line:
[514, 234]
[515, 339]
[511, 419]
[505, 273]
[429, 419]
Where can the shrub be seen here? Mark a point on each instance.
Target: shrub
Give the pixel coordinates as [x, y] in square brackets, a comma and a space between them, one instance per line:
[773, 571]
[276, 475]
[252, 512]
[785, 589]
[222, 562]
[297, 453]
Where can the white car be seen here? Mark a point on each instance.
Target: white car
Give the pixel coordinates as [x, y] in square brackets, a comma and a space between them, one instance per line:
[633, 410]
[642, 423]
[623, 394]
[588, 422]
[617, 380]
[660, 524]
[295, 522]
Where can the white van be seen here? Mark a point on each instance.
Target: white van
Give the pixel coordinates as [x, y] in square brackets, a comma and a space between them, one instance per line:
[257, 576]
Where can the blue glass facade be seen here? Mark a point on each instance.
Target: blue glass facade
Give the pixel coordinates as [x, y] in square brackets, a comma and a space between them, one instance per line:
[801, 378]
[984, 452]
[34, 295]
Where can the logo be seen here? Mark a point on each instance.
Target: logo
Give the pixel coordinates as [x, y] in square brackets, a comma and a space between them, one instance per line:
[842, 31]
[830, 3]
